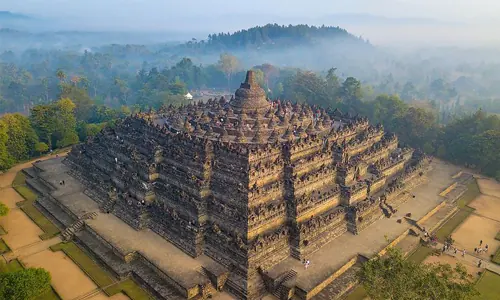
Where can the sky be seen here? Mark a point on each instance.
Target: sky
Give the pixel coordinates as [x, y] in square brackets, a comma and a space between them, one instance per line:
[159, 11]
[209, 16]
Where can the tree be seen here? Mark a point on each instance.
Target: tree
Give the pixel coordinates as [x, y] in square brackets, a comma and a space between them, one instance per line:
[228, 64]
[80, 97]
[61, 75]
[4, 210]
[24, 284]
[41, 147]
[22, 137]
[393, 277]
[6, 160]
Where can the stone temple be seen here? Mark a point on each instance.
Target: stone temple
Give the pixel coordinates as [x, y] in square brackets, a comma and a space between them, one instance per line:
[219, 199]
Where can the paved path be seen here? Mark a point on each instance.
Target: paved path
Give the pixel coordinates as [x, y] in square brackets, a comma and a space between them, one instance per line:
[31, 249]
[471, 258]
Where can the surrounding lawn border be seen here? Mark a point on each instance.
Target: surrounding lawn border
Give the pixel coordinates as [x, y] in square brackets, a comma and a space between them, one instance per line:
[16, 265]
[4, 248]
[496, 257]
[488, 285]
[463, 213]
[2, 230]
[420, 254]
[101, 277]
[27, 206]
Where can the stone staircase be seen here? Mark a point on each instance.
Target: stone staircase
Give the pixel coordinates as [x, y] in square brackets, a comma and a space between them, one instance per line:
[69, 232]
[281, 290]
[108, 206]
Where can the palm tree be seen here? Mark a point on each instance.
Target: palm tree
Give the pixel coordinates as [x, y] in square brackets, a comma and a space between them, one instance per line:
[61, 75]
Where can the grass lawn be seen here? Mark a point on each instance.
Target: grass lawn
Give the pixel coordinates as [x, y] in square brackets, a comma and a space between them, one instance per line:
[447, 229]
[472, 193]
[2, 231]
[358, 293]
[464, 211]
[488, 286]
[3, 247]
[101, 277]
[19, 184]
[15, 265]
[420, 254]
[496, 257]
[497, 237]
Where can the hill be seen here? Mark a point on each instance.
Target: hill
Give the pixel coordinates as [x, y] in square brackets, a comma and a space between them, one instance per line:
[274, 36]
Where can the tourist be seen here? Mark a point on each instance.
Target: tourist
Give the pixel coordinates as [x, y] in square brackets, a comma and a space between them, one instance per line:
[479, 250]
[479, 264]
[463, 253]
[480, 242]
[307, 264]
[475, 250]
[486, 248]
[455, 250]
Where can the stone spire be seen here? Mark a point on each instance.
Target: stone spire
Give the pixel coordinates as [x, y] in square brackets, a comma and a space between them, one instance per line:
[271, 123]
[187, 126]
[258, 137]
[198, 130]
[310, 129]
[284, 122]
[224, 135]
[240, 135]
[288, 134]
[209, 132]
[301, 133]
[273, 137]
[250, 97]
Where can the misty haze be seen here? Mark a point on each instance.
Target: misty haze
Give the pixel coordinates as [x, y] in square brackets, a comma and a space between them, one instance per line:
[257, 150]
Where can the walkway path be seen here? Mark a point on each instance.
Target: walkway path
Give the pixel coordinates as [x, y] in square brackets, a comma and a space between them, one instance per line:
[31, 249]
[471, 259]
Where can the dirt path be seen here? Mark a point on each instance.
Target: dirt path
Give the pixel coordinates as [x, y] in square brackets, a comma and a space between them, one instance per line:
[69, 281]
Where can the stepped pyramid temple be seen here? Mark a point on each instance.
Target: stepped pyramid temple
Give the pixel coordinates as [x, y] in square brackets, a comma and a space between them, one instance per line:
[230, 199]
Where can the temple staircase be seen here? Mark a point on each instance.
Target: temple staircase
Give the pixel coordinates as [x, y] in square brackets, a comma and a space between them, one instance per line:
[281, 290]
[69, 232]
[108, 206]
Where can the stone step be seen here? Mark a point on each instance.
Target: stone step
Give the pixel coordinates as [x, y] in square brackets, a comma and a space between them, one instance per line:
[37, 186]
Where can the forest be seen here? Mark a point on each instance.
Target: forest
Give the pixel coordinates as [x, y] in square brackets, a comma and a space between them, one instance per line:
[54, 98]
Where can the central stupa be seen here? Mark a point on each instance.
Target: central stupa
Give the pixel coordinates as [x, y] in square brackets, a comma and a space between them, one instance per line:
[250, 97]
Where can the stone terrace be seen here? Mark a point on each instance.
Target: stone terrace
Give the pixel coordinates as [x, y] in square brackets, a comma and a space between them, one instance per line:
[180, 267]
[374, 238]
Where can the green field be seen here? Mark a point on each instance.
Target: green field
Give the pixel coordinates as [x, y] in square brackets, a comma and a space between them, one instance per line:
[488, 286]
[19, 184]
[3, 247]
[464, 211]
[101, 278]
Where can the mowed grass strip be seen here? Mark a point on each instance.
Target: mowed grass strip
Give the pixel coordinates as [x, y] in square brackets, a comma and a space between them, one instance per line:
[3, 247]
[488, 286]
[2, 231]
[27, 206]
[463, 213]
[101, 277]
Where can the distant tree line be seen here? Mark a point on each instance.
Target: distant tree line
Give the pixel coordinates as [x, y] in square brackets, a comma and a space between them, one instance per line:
[468, 138]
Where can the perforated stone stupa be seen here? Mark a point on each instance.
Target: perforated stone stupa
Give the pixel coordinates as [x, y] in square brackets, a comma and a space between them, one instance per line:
[247, 183]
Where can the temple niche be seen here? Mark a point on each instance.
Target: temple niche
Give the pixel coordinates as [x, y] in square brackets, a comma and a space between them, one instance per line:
[247, 182]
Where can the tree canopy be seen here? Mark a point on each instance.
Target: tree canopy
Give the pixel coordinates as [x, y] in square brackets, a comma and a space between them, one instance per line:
[24, 284]
[394, 277]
